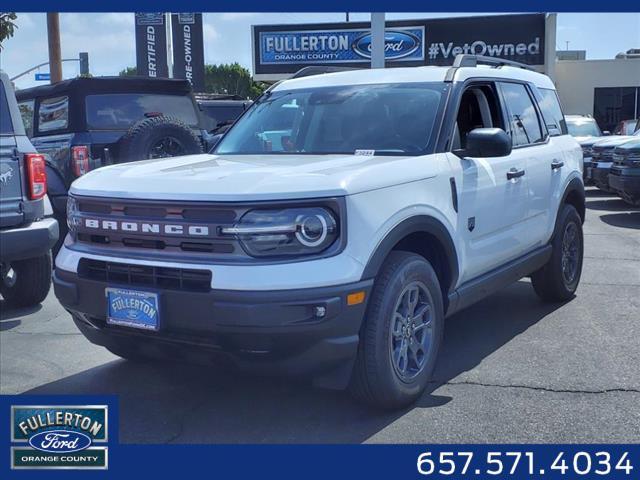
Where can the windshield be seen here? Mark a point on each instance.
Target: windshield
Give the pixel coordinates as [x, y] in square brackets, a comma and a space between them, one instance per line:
[389, 119]
[583, 128]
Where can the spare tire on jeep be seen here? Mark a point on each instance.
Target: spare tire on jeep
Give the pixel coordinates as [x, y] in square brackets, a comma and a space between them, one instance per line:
[158, 137]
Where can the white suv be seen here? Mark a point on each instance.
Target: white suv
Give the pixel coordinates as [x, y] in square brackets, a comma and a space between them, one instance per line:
[334, 226]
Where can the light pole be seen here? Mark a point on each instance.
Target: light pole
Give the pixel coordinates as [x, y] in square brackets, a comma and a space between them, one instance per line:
[377, 39]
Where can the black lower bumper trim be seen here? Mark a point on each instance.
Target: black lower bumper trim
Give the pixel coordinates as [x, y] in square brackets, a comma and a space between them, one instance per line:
[265, 331]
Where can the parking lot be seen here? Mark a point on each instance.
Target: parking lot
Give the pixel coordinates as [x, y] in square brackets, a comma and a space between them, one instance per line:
[512, 370]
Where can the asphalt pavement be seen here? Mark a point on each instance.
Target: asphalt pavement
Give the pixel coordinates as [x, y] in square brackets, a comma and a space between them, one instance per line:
[512, 369]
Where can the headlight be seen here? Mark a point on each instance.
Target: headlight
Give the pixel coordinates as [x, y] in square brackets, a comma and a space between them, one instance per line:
[286, 232]
[73, 218]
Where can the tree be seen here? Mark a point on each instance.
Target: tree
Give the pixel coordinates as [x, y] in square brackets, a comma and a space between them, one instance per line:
[128, 72]
[7, 26]
[232, 79]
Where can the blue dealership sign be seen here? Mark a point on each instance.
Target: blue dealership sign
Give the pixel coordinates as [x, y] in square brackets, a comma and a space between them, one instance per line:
[281, 50]
[42, 77]
[300, 47]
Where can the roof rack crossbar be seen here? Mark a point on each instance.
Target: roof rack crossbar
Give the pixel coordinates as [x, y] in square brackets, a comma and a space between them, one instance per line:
[319, 70]
[466, 60]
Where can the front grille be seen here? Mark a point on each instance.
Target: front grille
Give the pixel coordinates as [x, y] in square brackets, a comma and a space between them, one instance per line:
[605, 154]
[145, 276]
[186, 215]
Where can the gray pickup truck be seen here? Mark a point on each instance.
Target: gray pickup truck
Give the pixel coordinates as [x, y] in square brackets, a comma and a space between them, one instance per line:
[26, 235]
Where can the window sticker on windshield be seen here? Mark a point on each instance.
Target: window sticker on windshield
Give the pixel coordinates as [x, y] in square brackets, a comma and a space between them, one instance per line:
[366, 153]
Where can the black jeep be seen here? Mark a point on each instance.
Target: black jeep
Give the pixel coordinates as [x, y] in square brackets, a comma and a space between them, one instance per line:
[85, 123]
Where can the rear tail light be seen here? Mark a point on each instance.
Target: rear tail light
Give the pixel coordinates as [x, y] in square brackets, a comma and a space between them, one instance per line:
[36, 174]
[80, 159]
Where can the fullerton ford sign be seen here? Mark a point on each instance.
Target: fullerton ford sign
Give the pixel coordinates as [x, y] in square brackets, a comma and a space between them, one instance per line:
[343, 46]
[281, 50]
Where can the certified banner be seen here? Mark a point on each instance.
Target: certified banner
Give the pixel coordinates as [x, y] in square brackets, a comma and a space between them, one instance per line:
[151, 45]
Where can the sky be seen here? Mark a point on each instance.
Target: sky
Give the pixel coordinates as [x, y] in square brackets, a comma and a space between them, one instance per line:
[109, 37]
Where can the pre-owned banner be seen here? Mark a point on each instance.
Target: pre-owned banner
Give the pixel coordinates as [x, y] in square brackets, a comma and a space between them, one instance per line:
[151, 45]
[188, 48]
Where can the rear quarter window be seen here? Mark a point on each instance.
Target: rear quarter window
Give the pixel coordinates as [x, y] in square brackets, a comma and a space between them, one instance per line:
[552, 113]
[26, 111]
[119, 111]
[6, 126]
[53, 114]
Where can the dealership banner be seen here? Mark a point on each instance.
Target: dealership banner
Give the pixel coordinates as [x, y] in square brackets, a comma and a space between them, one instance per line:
[284, 49]
[151, 45]
[188, 48]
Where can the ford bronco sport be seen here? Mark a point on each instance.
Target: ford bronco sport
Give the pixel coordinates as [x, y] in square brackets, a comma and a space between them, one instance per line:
[334, 246]
[26, 236]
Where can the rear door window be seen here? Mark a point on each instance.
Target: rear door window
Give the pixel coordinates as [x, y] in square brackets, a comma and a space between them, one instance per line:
[26, 111]
[53, 114]
[523, 118]
[121, 110]
[552, 113]
[6, 126]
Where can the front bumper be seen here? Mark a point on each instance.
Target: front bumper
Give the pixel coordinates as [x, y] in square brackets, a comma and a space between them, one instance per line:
[31, 241]
[271, 332]
[625, 181]
[598, 172]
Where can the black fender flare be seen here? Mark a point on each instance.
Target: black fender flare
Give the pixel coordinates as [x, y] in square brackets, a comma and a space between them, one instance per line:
[416, 224]
[575, 186]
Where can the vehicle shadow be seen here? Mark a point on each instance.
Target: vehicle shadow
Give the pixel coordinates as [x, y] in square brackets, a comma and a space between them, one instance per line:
[9, 313]
[624, 220]
[613, 204]
[178, 403]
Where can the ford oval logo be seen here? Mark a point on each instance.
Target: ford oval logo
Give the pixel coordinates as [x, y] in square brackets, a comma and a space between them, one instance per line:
[397, 44]
[60, 441]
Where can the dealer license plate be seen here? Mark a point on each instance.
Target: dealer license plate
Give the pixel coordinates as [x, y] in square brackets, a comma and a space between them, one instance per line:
[133, 308]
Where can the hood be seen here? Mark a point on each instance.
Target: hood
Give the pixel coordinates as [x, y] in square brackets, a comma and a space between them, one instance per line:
[632, 146]
[587, 141]
[249, 177]
[614, 141]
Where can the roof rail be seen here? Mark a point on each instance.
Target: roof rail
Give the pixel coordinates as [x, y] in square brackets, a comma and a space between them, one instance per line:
[319, 70]
[465, 60]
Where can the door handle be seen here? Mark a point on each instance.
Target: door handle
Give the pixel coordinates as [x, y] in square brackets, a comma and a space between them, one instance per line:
[514, 173]
[556, 164]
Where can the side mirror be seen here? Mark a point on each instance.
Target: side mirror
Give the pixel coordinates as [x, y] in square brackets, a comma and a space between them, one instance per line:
[486, 142]
[606, 133]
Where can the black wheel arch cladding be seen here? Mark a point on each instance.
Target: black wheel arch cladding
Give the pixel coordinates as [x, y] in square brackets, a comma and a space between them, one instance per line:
[420, 224]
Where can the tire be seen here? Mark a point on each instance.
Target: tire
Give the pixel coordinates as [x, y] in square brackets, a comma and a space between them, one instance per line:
[31, 282]
[377, 378]
[144, 140]
[552, 282]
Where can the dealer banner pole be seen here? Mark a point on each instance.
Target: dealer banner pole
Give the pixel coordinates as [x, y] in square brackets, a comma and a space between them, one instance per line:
[377, 39]
[167, 22]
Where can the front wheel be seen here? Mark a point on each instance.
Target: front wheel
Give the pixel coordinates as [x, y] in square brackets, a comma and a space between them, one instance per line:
[401, 335]
[558, 280]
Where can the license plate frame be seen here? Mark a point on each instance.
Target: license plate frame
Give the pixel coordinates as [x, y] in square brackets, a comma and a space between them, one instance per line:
[132, 308]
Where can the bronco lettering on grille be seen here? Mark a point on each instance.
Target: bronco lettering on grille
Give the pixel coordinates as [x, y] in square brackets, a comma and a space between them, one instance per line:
[143, 227]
